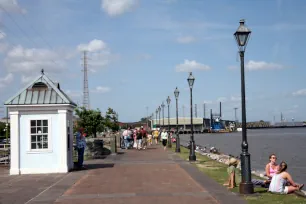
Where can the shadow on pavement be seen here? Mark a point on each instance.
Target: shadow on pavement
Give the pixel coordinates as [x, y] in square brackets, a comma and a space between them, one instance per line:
[99, 166]
[93, 166]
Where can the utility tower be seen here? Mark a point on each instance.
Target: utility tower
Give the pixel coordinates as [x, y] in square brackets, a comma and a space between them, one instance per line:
[184, 117]
[236, 120]
[85, 82]
[204, 111]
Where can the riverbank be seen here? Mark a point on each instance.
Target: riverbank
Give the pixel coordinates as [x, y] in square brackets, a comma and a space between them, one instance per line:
[212, 166]
[262, 143]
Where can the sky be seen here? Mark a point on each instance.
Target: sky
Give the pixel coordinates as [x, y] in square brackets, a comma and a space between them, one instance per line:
[140, 50]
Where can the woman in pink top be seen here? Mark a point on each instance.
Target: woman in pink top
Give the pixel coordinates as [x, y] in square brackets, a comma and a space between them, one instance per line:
[271, 167]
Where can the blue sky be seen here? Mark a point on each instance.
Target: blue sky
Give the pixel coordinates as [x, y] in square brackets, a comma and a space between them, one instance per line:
[140, 50]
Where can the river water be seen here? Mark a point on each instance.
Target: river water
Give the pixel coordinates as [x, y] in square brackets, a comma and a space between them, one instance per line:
[289, 145]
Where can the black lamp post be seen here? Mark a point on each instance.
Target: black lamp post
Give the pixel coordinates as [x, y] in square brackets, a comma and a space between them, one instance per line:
[159, 116]
[246, 187]
[178, 148]
[156, 118]
[169, 138]
[163, 106]
[192, 156]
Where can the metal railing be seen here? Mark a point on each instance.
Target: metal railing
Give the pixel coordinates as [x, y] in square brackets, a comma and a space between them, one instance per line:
[5, 154]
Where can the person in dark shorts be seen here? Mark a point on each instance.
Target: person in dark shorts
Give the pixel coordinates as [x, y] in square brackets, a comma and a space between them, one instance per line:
[164, 138]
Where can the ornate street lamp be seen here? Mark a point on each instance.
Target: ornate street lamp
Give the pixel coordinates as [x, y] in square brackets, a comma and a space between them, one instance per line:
[159, 116]
[178, 148]
[156, 118]
[169, 138]
[246, 186]
[192, 156]
[163, 106]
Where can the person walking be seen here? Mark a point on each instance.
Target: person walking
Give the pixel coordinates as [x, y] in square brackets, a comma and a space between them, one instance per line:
[164, 138]
[144, 137]
[139, 139]
[81, 145]
[155, 136]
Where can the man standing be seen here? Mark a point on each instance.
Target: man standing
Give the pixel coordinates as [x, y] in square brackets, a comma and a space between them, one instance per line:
[126, 137]
[81, 145]
[143, 133]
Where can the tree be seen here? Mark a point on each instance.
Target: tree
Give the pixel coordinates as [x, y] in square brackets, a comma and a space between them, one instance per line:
[2, 129]
[91, 120]
[111, 120]
[143, 120]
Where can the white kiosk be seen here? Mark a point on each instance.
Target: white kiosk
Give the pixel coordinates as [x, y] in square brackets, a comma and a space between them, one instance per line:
[41, 129]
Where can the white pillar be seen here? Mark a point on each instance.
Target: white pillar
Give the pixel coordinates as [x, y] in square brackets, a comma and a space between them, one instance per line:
[15, 140]
[62, 119]
[70, 153]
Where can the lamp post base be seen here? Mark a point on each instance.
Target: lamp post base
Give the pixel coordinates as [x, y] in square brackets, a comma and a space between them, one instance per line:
[178, 148]
[246, 188]
[192, 158]
[169, 141]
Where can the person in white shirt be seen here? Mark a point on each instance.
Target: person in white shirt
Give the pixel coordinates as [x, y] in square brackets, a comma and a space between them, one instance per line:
[164, 138]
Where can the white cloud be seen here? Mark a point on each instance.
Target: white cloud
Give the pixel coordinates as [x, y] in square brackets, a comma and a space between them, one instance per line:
[2, 35]
[101, 59]
[74, 94]
[207, 102]
[6, 80]
[259, 65]
[101, 89]
[100, 55]
[235, 98]
[222, 99]
[92, 46]
[4, 47]
[185, 39]
[12, 6]
[301, 92]
[232, 99]
[191, 65]
[118, 7]
[31, 60]
[27, 79]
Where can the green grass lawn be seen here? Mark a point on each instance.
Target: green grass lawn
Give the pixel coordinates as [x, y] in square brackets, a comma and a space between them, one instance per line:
[218, 172]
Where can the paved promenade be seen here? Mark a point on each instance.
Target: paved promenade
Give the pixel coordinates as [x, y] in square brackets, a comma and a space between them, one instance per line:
[131, 176]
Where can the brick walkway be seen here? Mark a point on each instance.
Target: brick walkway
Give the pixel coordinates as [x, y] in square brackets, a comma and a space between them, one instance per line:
[147, 176]
[131, 176]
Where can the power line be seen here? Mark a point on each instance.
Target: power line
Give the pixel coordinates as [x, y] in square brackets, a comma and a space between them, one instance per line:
[21, 30]
[24, 33]
[36, 32]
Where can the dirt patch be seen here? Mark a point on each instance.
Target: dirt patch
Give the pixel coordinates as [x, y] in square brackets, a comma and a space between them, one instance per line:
[207, 166]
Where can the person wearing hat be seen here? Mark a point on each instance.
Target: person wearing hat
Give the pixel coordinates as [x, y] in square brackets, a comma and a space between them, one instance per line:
[231, 170]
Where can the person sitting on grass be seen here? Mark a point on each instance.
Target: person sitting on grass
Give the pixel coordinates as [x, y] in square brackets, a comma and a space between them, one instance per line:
[271, 169]
[280, 181]
[231, 170]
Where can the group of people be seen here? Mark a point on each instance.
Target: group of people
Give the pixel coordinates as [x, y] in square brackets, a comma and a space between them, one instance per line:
[140, 138]
[279, 180]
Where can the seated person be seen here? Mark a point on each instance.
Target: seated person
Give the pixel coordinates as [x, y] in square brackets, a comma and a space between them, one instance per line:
[231, 170]
[271, 169]
[281, 179]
